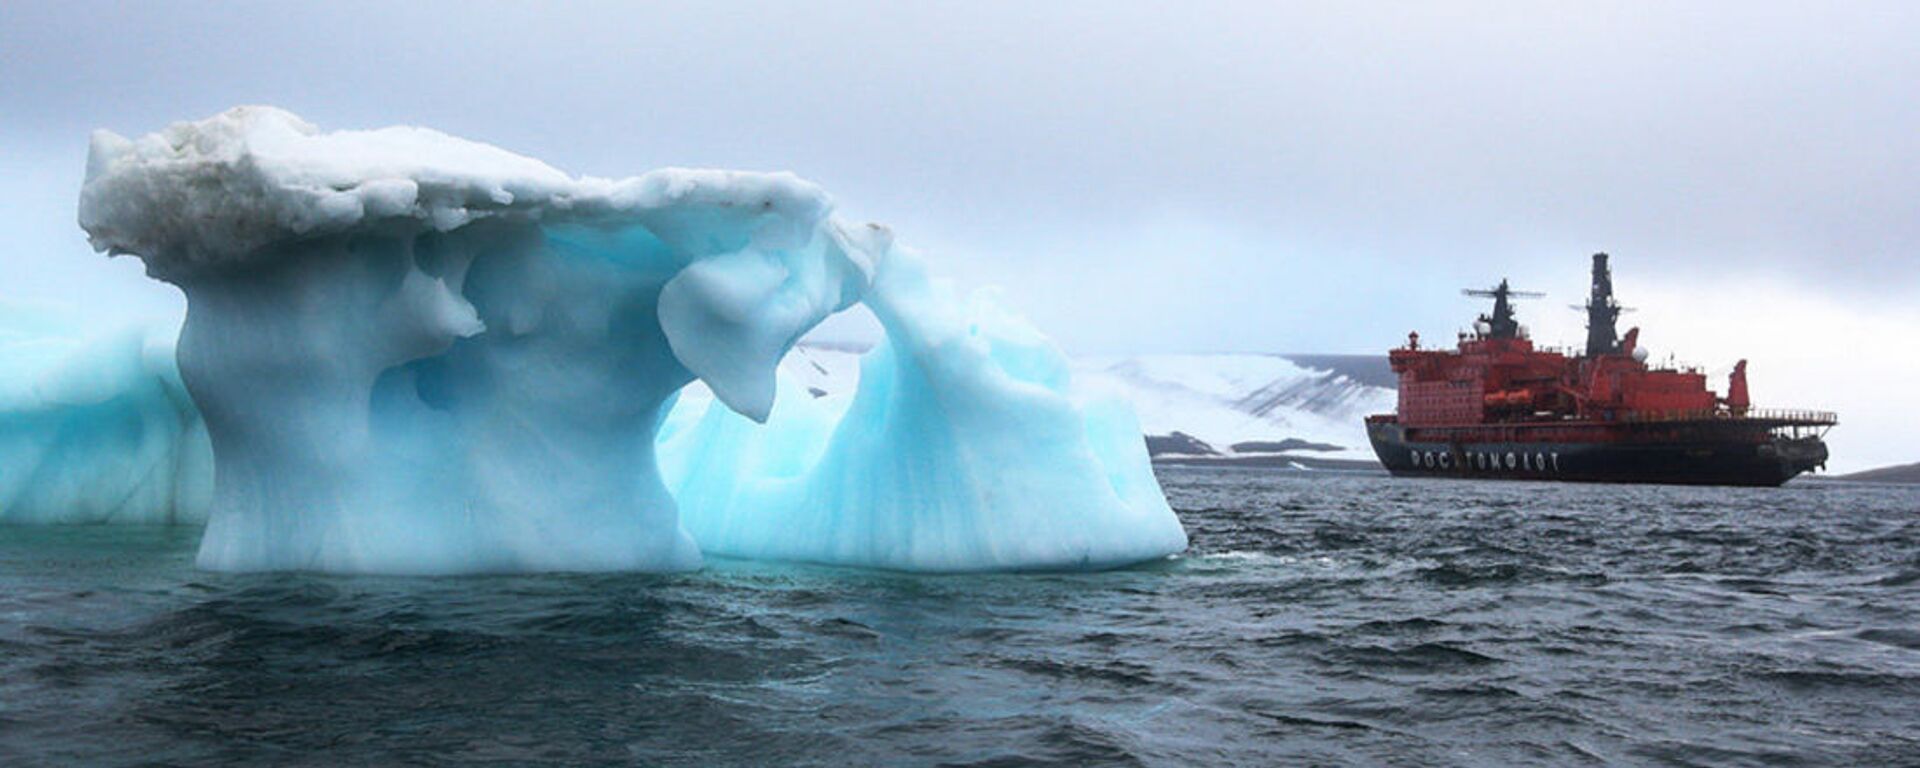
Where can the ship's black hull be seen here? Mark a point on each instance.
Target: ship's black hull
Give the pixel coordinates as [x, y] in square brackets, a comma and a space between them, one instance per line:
[1768, 462]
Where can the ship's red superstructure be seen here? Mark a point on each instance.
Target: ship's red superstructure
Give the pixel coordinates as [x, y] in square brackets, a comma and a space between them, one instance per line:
[1491, 380]
[1496, 404]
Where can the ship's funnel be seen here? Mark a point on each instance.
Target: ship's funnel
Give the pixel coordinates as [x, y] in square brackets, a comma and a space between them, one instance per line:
[1737, 399]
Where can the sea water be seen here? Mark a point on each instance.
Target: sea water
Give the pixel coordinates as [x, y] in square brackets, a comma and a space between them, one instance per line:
[1317, 618]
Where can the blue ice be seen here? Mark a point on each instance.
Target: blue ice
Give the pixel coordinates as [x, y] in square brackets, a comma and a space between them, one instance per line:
[96, 428]
[417, 354]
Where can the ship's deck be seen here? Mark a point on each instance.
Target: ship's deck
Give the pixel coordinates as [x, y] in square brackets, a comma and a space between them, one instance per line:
[1767, 418]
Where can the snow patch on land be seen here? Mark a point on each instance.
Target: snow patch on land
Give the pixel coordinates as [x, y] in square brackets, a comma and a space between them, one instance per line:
[1225, 399]
[1222, 400]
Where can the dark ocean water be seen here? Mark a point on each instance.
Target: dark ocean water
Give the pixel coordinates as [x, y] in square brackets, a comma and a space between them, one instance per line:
[1318, 619]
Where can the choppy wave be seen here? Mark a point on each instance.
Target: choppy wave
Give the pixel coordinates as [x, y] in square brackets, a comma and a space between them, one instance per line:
[1317, 620]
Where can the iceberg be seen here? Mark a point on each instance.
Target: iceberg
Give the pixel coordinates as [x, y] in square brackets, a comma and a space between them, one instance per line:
[417, 354]
[964, 448]
[97, 430]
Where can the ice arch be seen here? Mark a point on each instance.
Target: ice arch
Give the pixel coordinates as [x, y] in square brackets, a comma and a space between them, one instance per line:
[419, 354]
[964, 448]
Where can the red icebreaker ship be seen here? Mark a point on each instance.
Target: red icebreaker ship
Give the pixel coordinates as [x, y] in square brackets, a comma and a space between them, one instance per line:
[1496, 407]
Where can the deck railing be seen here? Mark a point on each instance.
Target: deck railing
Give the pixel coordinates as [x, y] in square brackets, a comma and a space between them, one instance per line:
[1821, 418]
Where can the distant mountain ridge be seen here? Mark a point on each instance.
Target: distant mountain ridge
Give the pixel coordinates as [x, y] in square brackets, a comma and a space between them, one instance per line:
[1899, 473]
[1371, 370]
[1236, 407]
[1240, 408]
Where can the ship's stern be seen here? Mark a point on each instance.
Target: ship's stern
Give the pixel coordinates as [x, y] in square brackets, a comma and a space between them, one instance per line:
[1797, 454]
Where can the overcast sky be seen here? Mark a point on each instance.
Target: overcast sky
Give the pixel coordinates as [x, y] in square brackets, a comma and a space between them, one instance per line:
[1250, 176]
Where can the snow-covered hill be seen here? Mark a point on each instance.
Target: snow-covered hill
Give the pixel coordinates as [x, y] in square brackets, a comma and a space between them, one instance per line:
[1226, 405]
[1246, 404]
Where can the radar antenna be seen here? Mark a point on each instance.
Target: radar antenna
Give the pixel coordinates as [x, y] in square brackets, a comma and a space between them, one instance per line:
[1603, 336]
[1501, 325]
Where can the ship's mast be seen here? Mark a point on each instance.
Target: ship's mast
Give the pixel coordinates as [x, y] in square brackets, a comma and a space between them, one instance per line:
[1602, 311]
[1501, 325]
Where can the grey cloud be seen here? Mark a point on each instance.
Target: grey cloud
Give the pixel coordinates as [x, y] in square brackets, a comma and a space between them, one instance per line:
[1306, 151]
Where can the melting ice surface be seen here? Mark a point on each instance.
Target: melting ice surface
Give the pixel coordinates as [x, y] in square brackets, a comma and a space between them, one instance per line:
[419, 354]
[962, 449]
[96, 430]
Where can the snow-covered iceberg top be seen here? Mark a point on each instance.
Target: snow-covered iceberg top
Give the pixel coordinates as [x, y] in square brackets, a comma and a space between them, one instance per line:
[231, 187]
[418, 354]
